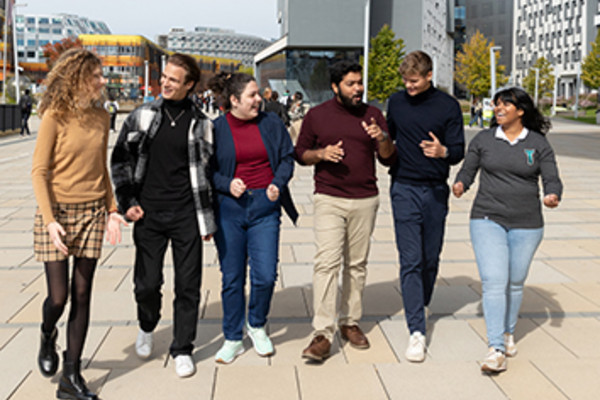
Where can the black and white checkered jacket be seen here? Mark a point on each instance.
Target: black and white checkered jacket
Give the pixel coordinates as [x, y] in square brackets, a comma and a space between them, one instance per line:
[130, 158]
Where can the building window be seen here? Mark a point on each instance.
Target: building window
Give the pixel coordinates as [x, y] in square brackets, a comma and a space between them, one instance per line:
[56, 21]
[30, 20]
[44, 21]
[31, 42]
[44, 30]
[31, 54]
[57, 31]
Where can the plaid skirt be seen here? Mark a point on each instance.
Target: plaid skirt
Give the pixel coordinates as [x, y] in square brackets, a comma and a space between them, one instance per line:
[84, 224]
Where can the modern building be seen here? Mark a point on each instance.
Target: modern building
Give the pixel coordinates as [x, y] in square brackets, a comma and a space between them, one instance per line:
[124, 59]
[494, 19]
[559, 30]
[214, 42]
[316, 34]
[35, 31]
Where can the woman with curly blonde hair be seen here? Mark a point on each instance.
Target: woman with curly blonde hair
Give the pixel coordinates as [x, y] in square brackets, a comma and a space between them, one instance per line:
[74, 195]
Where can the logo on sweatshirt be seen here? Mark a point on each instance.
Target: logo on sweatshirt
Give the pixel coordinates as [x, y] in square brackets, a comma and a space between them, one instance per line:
[529, 153]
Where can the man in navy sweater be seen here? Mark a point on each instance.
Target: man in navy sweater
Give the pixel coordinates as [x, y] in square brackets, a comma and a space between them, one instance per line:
[427, 127]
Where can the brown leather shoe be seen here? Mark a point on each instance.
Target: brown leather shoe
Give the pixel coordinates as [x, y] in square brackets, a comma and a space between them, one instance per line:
[355, 336]
[318, 349]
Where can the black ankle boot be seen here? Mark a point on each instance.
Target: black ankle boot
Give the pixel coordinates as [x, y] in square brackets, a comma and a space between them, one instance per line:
[72, 385]
[47, 357]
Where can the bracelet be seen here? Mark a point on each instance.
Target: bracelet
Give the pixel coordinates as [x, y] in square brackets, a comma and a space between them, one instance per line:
[113, 210]
[385, 136]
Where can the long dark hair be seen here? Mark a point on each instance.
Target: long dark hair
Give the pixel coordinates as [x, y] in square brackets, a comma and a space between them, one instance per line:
[532, 118]
[225, 85]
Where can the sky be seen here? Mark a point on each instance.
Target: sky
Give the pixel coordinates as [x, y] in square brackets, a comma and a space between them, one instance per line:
[153, 17]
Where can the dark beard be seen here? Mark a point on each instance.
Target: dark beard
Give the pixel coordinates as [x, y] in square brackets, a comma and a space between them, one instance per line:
[347, 102]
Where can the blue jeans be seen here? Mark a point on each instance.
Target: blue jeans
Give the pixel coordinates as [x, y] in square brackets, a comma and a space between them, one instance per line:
[503, 259]
[248, 233]
[419, 218]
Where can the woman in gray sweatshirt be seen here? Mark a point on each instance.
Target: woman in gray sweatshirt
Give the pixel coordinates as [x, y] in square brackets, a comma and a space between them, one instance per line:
[506, 218]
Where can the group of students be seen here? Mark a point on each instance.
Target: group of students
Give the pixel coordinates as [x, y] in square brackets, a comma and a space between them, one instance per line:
[182, 178]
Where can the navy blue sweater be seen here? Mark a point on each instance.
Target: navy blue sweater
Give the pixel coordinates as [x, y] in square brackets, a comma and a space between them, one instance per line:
[279, 149]
[410, 119]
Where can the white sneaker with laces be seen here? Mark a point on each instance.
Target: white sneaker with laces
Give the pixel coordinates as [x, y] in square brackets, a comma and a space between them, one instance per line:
[143, 344]
[260, 340]
[495, 361]
[415, 352]
[509, 345]
[184, 365]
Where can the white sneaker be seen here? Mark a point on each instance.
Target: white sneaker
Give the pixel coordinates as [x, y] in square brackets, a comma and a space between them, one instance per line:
[509, 345]
[260, 341]
[415, 352]
[229, 351]
[143, 344]
[495, 361]
[184, 365]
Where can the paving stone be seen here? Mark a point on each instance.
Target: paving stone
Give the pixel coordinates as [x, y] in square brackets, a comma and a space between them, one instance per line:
[239, 382]
[577, 379]
[157, 383]
[437, 380]
[524, 381]
[578, 335]
[353, 381]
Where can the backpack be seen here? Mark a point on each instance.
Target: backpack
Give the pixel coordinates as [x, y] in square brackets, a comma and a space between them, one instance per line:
[111, 108]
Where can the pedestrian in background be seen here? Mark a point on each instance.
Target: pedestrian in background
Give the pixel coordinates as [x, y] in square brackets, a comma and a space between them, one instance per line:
[112, 107]
[297, 112]
[74, 195]
[25, 104]
[252, 165]
[427, 127]
[506, 218]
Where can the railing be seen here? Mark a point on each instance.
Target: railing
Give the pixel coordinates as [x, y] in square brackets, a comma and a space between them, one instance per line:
[10, 119]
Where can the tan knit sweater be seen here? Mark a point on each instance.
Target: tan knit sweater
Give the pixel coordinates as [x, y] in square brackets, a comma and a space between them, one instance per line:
[69, 161]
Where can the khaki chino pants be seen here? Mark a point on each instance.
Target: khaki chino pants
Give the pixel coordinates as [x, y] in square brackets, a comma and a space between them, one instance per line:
[343, 229]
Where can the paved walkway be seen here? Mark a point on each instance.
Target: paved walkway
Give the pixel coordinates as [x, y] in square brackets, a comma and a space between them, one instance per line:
[558, 332]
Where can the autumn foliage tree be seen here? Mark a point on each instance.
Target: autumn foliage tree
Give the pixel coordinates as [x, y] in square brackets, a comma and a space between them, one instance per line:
[385, 56]
[545, 79]
[53, 50]
[472, 66]
[590, 68]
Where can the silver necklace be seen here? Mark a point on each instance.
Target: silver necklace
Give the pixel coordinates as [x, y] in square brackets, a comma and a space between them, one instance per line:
[174, 120]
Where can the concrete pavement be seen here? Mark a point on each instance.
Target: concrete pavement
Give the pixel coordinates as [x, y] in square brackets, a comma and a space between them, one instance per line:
[557, 334]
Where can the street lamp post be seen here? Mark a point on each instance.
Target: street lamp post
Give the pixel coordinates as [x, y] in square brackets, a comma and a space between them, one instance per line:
[366, 50]
[537, 78]
[493, 50]
[577, 79]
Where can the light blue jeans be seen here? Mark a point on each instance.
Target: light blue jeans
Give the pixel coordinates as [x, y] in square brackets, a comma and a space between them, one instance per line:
[503, 259]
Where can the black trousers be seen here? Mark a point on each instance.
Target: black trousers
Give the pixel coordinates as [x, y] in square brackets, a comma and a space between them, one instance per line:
[151, 236]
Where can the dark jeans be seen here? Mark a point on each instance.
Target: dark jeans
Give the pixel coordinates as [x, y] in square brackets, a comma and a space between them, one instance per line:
[248, 233]
[419, 218]
[25, 122]
[151, 236]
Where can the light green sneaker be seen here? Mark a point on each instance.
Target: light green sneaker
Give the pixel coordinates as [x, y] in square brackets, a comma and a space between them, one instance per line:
[261, 342]
[229, 351]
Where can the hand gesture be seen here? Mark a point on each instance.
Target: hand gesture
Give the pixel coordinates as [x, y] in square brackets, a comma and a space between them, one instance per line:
[272, 192]
[458, 189]
[56, 231]
[113, 228]
[237, 187]
[433, 148]
[333, 152]
[134, 213]
[551, 200]
[373, 130]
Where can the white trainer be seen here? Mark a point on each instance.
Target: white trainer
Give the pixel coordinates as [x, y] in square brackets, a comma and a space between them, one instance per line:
[143, 344]
[495, 361]
[184, 365]
[415, 352]
[509, 345]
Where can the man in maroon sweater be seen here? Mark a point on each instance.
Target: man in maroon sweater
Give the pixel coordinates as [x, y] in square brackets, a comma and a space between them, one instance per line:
[341, 138]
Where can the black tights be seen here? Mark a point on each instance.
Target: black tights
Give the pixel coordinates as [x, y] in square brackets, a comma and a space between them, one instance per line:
[57, 278]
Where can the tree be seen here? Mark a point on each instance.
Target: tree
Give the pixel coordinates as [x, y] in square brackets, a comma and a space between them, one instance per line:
[53, 50]
[590, 68]
[385, 57]
[545, 78]
[472, 66]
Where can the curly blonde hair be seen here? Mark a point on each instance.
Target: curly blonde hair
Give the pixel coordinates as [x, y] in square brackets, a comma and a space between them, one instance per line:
[68, 90]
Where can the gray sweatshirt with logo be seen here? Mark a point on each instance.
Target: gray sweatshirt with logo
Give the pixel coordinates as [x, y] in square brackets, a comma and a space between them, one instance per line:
[509, 181]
